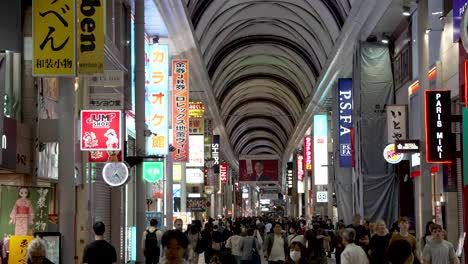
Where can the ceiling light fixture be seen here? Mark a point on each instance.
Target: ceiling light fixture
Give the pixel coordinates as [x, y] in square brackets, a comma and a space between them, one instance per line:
[384, 40]
[406, 11]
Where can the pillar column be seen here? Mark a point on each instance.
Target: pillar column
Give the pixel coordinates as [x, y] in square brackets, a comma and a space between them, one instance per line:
[183, 189]
[66, 168]
[169, 200]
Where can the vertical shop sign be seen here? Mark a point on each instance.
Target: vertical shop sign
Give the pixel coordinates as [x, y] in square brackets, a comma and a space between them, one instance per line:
[153, 171]
[289, 177]
[54, 38]
[438, 126]
[91, 36]
[180, 109]
[449, 172]
[197, 151]
[18, 248]
[223, 173]
[345, 106]
[157, 101]
[459, 7]
[101, 130]
[300, 173]
[308, 153]
[215, 153]
[396, 122]
[320, 149]
[465, 144]
[196, 112]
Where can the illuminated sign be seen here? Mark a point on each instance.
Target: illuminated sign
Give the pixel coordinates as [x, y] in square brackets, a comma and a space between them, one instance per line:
[215, 153]
[194, 176]
[197, 151]
[101, 130]
[289, 177]
[391, 156]
[320, 149]
[153, 171]
[300, 173]
[438, 126]
[223, 173]
[180, 110]
[157, 101]
[322, 197]
[345, 119]
[308, 153]
[196, 109]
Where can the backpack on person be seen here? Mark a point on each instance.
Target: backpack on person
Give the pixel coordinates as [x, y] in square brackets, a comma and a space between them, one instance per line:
[151, 245]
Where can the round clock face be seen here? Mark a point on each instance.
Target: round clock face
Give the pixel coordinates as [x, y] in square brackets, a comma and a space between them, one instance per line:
[115, 173]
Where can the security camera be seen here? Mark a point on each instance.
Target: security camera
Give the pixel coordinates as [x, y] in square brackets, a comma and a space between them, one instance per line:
[155, 39]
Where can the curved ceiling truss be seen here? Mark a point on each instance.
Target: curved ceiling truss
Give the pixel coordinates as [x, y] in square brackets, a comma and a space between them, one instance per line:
[263, 59]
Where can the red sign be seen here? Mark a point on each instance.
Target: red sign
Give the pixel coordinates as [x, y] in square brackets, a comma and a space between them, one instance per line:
[300, 168]
[308, 153]
[180, 110]
[101, 130]
[223, 172]
[104, 156]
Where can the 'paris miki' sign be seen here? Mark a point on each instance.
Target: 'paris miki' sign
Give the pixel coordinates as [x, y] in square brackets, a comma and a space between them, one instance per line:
[438, 126]
[345, 107]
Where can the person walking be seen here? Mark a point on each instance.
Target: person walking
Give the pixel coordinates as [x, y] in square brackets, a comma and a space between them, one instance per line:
[250, 248]
[439, 251]
[379, 243]
[151, 242]
[352, 254]
[234, 244]
[276, 246]
[99, 251]
[403, 225]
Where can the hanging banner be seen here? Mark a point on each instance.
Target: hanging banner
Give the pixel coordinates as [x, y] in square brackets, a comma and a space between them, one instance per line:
[18, 249]
[157, 101]
[449, 173]
[180, 109]
[215, 153]
[345, 120]
[438, 126]
[223, 173]
[396, 123]
[300, 173]
[308, 153]
[197, 151]
[91, 40]
[54, 38]
[24, 210]
[289, 177]
[320, 149]
[101, 130]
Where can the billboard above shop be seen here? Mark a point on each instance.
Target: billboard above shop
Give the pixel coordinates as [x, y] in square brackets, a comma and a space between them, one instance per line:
[101, 130]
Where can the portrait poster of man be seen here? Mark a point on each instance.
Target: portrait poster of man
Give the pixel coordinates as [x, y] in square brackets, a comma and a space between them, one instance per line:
[258, 170]
[24, 210]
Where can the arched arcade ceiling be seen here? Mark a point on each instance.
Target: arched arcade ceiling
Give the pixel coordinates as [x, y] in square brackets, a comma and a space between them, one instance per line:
[267, 62]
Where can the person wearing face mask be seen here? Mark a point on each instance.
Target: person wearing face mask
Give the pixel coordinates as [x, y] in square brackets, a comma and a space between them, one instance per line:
[296, 254]
[294, 236]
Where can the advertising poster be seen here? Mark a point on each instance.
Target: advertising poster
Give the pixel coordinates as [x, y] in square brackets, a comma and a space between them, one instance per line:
[24, 210]
[18, 249]
[154, 215]
[258, 170]
[101, 130]
[196, 204]
[320, 149]
[180, 110]
[197, 151]
[54, 38]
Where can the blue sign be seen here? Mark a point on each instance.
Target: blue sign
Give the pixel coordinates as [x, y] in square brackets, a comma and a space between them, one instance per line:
[154, 215]
[345, 106]
[459, 7]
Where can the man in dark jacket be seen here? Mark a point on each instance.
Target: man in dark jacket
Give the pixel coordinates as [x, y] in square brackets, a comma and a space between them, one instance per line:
[276, 246]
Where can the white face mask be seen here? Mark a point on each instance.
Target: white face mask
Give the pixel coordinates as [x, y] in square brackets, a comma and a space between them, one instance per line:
[295, 255]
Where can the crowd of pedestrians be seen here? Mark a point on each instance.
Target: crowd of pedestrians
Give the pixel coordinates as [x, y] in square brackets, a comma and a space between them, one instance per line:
[277, 240]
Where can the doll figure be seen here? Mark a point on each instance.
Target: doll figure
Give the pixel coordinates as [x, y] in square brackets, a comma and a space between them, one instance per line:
[22, 214]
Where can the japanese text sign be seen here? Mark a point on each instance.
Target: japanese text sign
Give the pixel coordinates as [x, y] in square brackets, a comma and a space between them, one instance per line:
[300, 167]
[223, 172]
[396, 122]
[196, 109]
[438, 126]
[153, 171]
[101, 130]
[308, 153]
[91, 36]
[196, 204]
[18, 249]
[157, 101]
[54, 38]
[196, 125]
[345, 120]
[180, 109]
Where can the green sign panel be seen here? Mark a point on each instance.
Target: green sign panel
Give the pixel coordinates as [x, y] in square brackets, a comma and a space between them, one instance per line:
[153, 171]
[465, 145]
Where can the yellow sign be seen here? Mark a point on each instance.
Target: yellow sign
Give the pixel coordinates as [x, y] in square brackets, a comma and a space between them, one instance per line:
[91, 36]
[18, 249]
[54, 38]
[196, 109]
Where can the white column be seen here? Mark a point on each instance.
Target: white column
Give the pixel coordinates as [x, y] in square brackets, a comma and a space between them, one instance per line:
[169, 200]
[140, 126]
[183, 189]
[423, 186]
[306, 194]
[66, 184]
